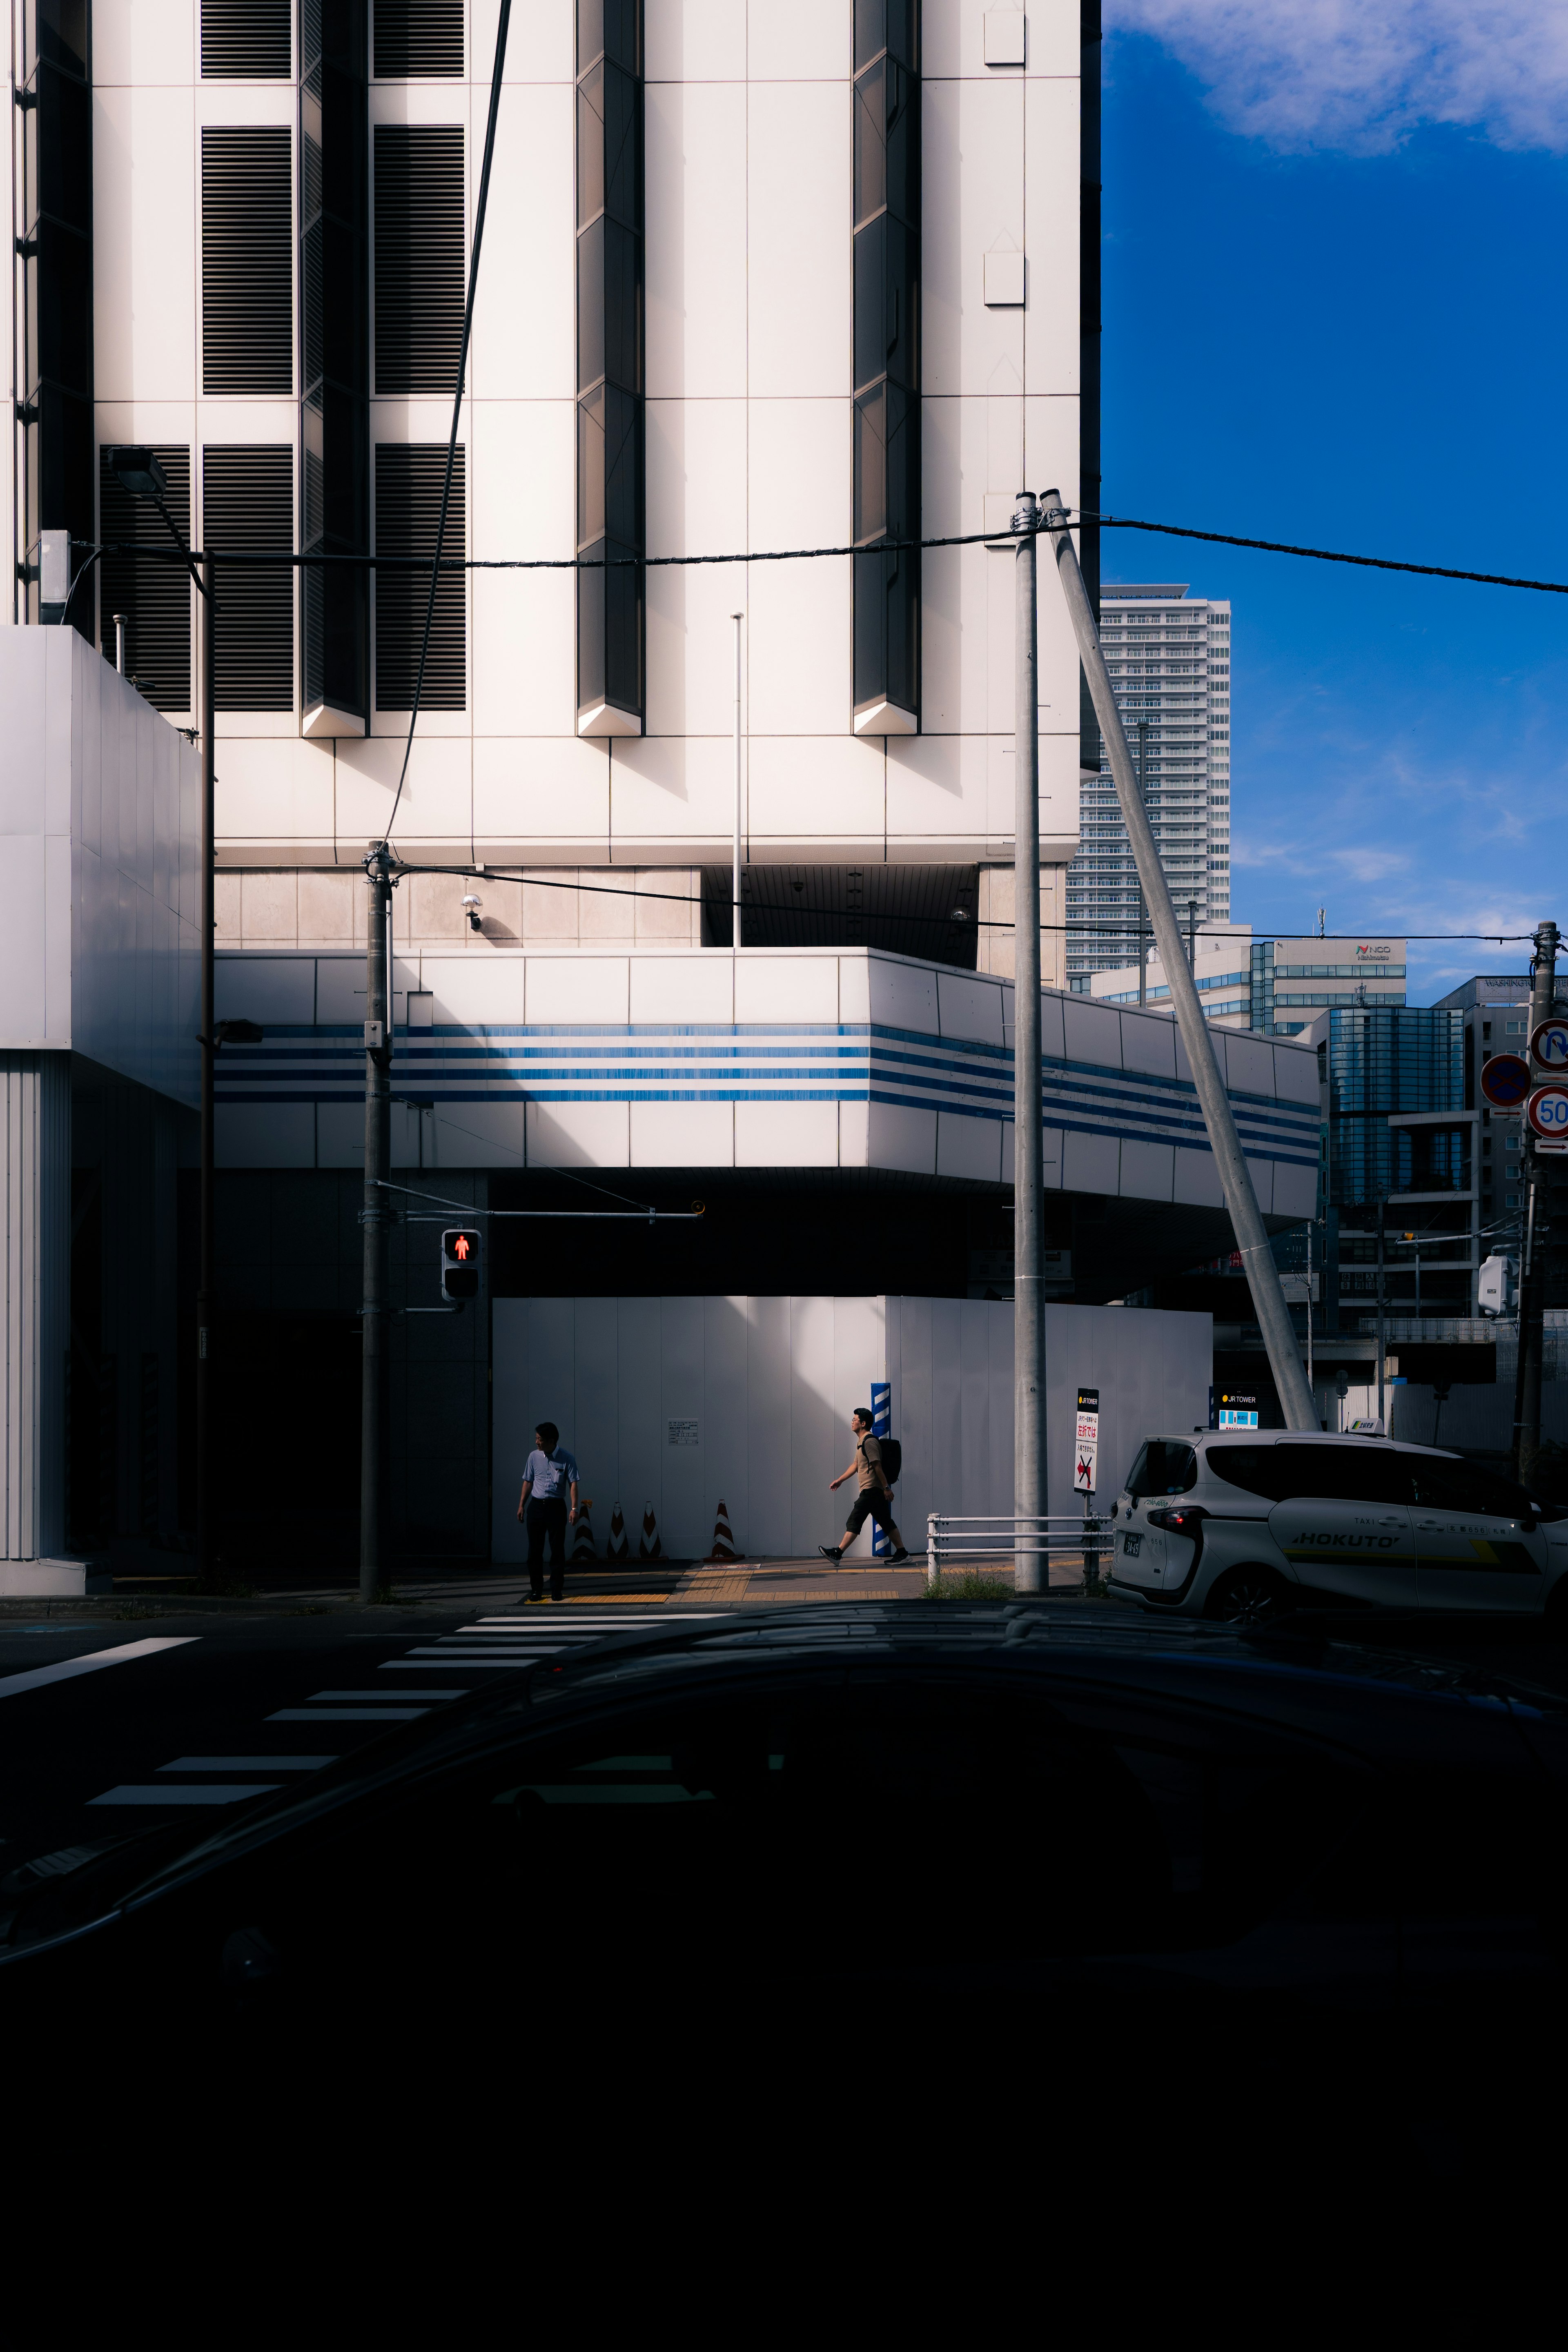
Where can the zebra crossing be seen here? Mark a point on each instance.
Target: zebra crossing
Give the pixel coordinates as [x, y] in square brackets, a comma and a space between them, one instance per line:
[463, 1659]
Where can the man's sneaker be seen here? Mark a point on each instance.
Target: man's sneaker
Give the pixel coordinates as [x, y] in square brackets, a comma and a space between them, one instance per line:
[900, 1556]
[830, 1551]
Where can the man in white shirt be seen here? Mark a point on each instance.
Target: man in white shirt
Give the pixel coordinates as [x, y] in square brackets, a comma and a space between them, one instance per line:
[549, 1474]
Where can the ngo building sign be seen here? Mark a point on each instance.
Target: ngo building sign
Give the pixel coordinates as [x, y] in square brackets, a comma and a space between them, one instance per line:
[1375, 951]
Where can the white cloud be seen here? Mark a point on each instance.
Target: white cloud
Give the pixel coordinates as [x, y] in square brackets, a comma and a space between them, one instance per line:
[1304, 74]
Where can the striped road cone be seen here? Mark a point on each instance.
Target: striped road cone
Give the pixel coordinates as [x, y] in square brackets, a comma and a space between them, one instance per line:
[582, 1533]
[723, 1541]
[650, 1547]
[617, 1548]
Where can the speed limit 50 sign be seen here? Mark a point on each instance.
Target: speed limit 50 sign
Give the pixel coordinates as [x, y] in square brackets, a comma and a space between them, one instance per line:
[1547, 1112]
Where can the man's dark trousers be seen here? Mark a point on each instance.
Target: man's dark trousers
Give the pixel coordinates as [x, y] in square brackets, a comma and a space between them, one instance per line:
[871, 1503]
[546, 1519]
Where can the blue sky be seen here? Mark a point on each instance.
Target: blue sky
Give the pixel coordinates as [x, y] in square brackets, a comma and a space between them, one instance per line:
[1332, 318]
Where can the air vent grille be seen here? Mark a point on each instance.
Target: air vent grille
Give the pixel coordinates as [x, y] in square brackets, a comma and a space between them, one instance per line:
[408, 479]
[247, 245]
[414, 38]
[155, 596]
[419, 257]
[247, 40]
[247, 501]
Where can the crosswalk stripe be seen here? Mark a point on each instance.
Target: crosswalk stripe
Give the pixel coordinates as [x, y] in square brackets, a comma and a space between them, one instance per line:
[36, 1676]
[247, 1764]
[375, 1697]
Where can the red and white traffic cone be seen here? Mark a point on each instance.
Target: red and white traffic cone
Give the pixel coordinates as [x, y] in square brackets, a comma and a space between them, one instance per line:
[617, 1548]
[723, 1541]
[650, 1547]
[582, 1533]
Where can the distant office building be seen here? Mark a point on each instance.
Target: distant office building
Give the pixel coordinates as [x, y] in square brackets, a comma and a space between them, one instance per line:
[1275, 986]
[1399, 1144]
[1169, 658]
[1495, 1009]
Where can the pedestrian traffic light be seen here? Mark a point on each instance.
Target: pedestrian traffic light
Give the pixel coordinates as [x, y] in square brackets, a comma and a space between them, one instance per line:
[460, 1264]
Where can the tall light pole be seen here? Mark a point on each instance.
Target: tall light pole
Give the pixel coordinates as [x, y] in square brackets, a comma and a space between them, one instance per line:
[735, 864]
[375, 1218]
[142, 475]
[1142, 902]
[1028, 1143]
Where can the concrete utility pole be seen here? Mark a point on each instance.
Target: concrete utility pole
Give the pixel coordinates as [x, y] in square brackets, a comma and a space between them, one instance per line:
[735, 873]
[1262, 1274]
[376, 1217]
[1532, 1271]
[1142, 902]
[1382, 1314]
[207, 1271]
[1028, 1143]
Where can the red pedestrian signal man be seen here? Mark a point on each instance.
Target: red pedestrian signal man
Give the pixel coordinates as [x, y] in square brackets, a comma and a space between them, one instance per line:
[459, 1265]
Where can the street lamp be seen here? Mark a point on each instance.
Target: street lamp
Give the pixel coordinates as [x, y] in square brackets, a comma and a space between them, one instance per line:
[143, 478]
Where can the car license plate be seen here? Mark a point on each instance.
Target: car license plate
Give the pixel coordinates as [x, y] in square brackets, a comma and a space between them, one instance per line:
[1131, 1546]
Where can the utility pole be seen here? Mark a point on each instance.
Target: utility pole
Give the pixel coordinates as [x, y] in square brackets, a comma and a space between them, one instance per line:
[376, 1217]
[204, 1279]
[1241, 1199]
[1193, 933]
[1028, 1144]
[1142, 902]
[1382, 1315]
[1533, 1270]
[735, 872]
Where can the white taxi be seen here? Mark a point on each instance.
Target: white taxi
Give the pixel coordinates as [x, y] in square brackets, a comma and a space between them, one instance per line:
[1246, 1526]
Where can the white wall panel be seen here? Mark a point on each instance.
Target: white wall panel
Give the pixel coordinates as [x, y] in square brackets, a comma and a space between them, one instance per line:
[1148, 1042]
[696, 233]
[473, 1135]
[671, 789]
[524, 311]
[936, 793]
[1263, 1182]
[681, 988]
[472, 990]
[275, 793]
[696, 506]
[149, 41]
[545, 790]
[808, 40]
[1296, 1075]
[787, 1135]
[799, 284]
[145, 244]
[522, 456]
[273, 990]
[1051, 240]
[1146, 1171]
[830, 790]
[787, 988]
[572, 989]
[683, 1134]
[1295, 1190]
[694, 40]
[903, 995]
[1195, 1179]
[970, 1008]
[970, 1148]
[1092, 1033]
[902, 1138]
[1091, 1163]
[578, 1134]
[437, 797]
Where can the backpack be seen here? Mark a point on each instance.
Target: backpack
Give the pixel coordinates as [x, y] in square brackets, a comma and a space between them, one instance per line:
[892, 1459]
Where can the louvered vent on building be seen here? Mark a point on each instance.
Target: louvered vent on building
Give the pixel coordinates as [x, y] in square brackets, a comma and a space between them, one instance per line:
[247, 40]
[247, 249]
[417, 37]
[247, 501]
[408, 479]
[419, 257]
[156, 595]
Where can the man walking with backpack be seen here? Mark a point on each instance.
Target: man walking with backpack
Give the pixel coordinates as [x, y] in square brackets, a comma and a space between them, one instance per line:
[875, 1499]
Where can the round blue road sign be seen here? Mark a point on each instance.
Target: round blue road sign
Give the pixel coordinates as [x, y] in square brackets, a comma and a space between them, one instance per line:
[1506, 1080]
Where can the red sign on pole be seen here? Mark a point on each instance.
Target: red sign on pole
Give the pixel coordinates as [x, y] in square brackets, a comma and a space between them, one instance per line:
[1506, 1080]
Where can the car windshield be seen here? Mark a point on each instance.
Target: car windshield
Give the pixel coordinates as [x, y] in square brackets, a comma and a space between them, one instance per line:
[1164, 1466]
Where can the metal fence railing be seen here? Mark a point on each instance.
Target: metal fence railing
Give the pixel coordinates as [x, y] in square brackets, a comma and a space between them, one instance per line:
[1003, 1537]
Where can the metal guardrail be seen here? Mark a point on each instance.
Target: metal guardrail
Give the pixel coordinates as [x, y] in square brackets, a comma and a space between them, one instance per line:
[1046, 1536]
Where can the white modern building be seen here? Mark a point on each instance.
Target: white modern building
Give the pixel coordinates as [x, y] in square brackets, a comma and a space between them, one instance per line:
[1169, 658]
[1278, 986]
[755, 280]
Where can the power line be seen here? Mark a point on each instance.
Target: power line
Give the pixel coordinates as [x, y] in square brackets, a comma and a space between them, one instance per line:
[484, 198]
[811, 554]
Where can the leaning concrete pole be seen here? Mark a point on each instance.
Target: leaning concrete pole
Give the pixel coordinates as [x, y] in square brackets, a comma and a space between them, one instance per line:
[1532, 1269]
[376, 1218]
[1262, 1274]
[1029, 1202]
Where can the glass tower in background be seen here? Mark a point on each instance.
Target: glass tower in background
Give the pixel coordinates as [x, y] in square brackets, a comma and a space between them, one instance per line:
[1169, 658]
